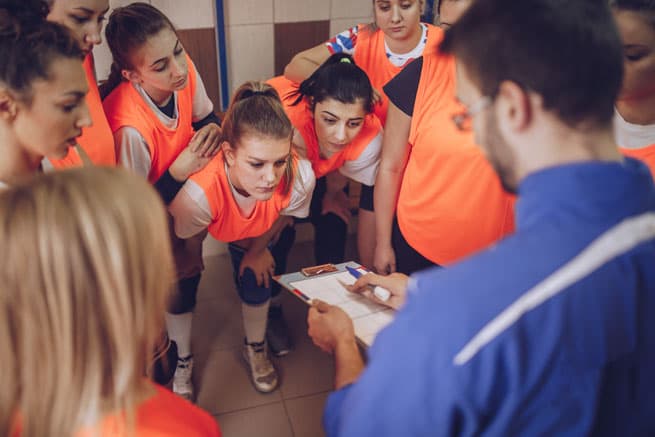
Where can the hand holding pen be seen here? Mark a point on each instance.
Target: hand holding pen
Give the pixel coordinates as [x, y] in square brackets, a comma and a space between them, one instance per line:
[376, 287]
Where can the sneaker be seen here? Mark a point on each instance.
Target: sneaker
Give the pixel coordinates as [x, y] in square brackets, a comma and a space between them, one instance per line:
[262, 372]
[182, 385]
[277, 332]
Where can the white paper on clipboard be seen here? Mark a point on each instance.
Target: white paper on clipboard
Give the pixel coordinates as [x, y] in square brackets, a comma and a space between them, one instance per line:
[368, 317]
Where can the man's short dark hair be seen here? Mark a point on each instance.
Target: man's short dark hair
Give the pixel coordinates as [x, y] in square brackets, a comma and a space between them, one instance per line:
[567, 51]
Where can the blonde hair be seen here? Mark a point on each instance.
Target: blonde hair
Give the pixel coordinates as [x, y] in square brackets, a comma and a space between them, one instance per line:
[85, 278]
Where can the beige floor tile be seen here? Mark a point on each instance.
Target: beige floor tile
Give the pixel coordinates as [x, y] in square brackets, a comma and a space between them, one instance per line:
[269, 420]
[223, 385]
[306, 415]
[217, 274]
[307, 370]
[217, 325]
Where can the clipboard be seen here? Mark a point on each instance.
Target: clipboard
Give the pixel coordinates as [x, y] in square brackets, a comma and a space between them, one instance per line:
[368, 317]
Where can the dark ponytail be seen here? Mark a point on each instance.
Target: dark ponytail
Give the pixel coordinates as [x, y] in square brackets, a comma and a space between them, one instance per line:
[337, 78]
[29, 44]
[127, 30]
[256, 109]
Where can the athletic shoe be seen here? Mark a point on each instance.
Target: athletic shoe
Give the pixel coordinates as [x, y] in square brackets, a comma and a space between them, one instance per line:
[182, 384]
[262, 373]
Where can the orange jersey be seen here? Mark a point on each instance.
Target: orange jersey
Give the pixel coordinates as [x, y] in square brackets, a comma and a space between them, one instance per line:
[451, 202]
[228, 222]
[646, 154]
[96, 140]
[125, 107]
[164, 414]
[302, 119]
[370, 56]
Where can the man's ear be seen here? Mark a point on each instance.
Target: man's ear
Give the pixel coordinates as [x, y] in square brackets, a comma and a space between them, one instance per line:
[229, 153]
[514, 106]
[131, 76]
[8, 105]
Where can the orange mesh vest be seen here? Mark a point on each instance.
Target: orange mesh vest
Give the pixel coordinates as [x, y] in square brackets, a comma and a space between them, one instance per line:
[96, 140]
[228, 223]
[164, 414]
[302, 119]
[646, 154]
[125, 107]
[451, 202]
[371, 56]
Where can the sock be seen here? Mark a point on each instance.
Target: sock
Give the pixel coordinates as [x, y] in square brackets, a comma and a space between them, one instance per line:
[179, 330]
[254, 321]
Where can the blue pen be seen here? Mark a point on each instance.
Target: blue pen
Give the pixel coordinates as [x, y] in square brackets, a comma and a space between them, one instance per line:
[356, 273]
[381, 293]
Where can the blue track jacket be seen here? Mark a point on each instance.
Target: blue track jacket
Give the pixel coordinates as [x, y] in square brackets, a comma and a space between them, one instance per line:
[550, 332]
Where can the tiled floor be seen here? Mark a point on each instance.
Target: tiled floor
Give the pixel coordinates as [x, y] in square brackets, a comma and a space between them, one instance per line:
[222, 385]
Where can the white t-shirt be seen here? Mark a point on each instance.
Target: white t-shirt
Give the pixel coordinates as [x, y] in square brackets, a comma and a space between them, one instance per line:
[346, 42]
[192, 212]
[364, 169]
[133, 151]
[632, 136]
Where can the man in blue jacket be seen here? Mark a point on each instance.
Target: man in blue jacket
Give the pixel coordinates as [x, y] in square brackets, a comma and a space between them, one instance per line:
[551, 331]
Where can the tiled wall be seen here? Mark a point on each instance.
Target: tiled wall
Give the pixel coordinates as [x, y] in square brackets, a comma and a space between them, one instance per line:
[250, 29]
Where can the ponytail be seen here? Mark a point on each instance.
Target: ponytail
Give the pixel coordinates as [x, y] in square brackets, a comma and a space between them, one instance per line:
[337, 78]
[256, 109]
[115, 78]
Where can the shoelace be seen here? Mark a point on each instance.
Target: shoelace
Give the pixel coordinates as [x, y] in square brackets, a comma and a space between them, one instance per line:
[262, 364]
[185, 365]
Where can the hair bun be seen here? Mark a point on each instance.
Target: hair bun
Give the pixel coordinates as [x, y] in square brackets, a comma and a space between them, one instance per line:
[15, 14]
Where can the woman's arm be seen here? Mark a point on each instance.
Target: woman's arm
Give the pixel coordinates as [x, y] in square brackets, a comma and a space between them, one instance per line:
[306, 62]
[395, 152]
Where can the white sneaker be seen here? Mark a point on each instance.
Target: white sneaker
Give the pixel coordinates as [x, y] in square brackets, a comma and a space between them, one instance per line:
[182, 385]
[262, 373]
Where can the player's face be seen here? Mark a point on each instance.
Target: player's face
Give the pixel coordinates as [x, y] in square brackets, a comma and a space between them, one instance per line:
[337, 124]
[84, 18]
[257, 164]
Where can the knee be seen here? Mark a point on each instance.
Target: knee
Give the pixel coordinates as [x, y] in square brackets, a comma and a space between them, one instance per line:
[251, 293]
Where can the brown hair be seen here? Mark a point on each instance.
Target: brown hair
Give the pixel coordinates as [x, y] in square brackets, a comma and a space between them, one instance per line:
[256, 109]
[85, 279]
[128, 28]
[29, 45]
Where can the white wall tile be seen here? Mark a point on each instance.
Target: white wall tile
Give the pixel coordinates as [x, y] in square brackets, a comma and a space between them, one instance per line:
[101, 53]
[250, 53]
[248, 12]
[341, 24]
[291, 11]
[351, 8]
[188, 14]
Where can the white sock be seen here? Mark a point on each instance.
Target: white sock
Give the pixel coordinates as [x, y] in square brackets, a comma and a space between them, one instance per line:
[254, 321]
[179, 330]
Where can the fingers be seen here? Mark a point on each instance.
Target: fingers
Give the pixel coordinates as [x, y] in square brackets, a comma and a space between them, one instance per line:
[197, 140]
[364, 281]
[212, 140]
[320, 306]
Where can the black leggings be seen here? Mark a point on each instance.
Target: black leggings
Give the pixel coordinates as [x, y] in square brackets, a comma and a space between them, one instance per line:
[408, 260]
[330, 231]
[249, 292]
[184, 300]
